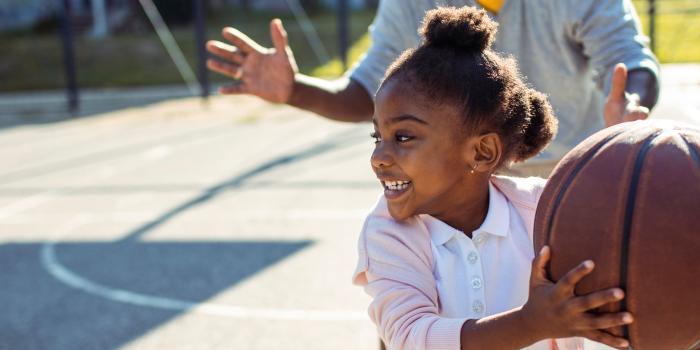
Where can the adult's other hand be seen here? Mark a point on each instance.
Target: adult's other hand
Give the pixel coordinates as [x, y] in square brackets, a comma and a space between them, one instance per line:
[621, 106]
[264, 72]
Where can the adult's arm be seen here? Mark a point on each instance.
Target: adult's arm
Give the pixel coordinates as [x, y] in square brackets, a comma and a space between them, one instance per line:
[343, 99]
[644, 84]
[610, 34]
[272, 73]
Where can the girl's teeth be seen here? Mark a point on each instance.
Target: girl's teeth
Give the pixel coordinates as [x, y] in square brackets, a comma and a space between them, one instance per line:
[396, 185]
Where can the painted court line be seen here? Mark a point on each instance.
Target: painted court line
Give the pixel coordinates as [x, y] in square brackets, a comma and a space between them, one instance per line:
[26, 203]
[50, 263]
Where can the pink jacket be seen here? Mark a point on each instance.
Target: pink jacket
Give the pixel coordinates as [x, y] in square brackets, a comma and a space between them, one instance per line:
[395, 267]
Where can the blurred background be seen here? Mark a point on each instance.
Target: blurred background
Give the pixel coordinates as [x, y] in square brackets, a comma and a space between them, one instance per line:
[140, 210]
[118, 46]
[116, 43]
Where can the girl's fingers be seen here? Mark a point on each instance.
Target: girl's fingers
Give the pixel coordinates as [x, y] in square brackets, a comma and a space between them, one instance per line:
[595, 300]
[229, 70]
[225, 51]
[539, 265]
[605, 321]
[607, 339]
[565, 286]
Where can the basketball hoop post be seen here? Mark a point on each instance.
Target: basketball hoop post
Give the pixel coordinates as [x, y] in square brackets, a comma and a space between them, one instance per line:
[200, 8]
[69, 57]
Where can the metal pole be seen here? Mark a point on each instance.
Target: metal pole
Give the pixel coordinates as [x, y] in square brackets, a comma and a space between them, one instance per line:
[343, 31]
[166, 37]
[652, 25]
[200, 33]
[100, 29]
[69, 58]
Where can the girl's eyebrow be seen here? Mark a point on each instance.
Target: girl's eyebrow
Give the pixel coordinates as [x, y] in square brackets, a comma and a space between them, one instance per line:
[407, 117]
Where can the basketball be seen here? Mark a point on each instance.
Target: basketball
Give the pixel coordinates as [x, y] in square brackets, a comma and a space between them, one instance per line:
[628, 198]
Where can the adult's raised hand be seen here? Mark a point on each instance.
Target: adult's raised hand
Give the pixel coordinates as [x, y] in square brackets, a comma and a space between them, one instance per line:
[621, 106]
[264, 72]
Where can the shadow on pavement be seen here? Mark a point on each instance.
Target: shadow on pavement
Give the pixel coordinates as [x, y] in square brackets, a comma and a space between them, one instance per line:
[39, 312]
[37, 108]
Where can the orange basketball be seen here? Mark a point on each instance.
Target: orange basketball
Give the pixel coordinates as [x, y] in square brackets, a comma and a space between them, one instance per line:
[628, 198]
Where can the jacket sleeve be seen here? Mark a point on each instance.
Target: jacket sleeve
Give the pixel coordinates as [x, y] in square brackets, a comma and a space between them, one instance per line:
[395, 269]
[610, 32]
[393, 30]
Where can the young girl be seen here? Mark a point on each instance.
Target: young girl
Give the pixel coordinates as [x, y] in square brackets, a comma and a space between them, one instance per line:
[447, 253]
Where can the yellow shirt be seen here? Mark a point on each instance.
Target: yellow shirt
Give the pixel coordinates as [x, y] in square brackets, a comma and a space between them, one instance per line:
[492, 5]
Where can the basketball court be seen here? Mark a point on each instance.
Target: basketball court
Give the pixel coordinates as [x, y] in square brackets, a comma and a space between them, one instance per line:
[181, 225]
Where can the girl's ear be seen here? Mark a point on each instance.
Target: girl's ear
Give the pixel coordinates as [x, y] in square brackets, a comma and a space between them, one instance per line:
[487, 152]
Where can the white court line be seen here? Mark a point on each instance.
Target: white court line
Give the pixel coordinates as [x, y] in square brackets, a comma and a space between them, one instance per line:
[52, 265]
[26, 203]
[50, 262]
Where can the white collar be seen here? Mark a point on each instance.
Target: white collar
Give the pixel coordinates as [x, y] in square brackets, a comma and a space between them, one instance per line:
[497, 220]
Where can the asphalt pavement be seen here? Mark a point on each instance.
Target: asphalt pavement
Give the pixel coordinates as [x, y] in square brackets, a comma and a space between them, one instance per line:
[156, 221]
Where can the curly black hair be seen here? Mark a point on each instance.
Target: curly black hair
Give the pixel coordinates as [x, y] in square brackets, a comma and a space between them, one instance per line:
[455, 64]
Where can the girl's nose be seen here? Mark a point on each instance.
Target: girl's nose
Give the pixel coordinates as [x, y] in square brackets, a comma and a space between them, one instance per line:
[381, 157]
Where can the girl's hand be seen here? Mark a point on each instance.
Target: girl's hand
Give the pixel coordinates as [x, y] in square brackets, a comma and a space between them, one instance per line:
[554, 311]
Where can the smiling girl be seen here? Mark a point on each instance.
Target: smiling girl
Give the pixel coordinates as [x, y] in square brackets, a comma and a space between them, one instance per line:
[447, 253]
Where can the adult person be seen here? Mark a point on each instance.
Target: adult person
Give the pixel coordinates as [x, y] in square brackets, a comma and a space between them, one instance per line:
[589, 56]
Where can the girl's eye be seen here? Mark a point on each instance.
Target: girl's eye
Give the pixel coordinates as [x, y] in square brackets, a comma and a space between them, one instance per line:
[376, 137]
[403, 138]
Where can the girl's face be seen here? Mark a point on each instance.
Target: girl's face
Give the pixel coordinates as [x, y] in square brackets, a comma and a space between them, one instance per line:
[420, 156]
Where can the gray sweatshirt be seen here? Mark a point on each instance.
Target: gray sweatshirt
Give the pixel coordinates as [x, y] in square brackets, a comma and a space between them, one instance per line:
[564, 48]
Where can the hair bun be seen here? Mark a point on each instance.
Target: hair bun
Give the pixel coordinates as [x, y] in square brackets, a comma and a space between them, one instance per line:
[466, 27]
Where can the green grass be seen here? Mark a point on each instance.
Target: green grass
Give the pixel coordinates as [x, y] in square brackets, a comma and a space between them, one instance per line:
[34, 61]
[677, 30]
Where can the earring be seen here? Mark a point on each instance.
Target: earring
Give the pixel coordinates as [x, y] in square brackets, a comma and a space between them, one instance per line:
[473, 168]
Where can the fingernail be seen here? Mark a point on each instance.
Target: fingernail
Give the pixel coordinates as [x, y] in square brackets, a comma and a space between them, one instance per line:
[543, 249]
[624, 343]
[627, 318]
[588, 264]
[618, 294]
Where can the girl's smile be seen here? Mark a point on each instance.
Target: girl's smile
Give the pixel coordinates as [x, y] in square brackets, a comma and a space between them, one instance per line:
[394, 189]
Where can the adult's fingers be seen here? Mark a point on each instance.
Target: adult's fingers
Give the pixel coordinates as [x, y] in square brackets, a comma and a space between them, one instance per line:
[241, 41]
[279, 35]
[225, 51]
[236, 89]
[607, 339]
[229, 70]
[618, 82]
[638, 113]
[596, 300]
[565, 286]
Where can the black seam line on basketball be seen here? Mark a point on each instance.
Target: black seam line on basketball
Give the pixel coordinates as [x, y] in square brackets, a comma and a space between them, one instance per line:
[629, 214]
[693, 152]
[565, 187]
